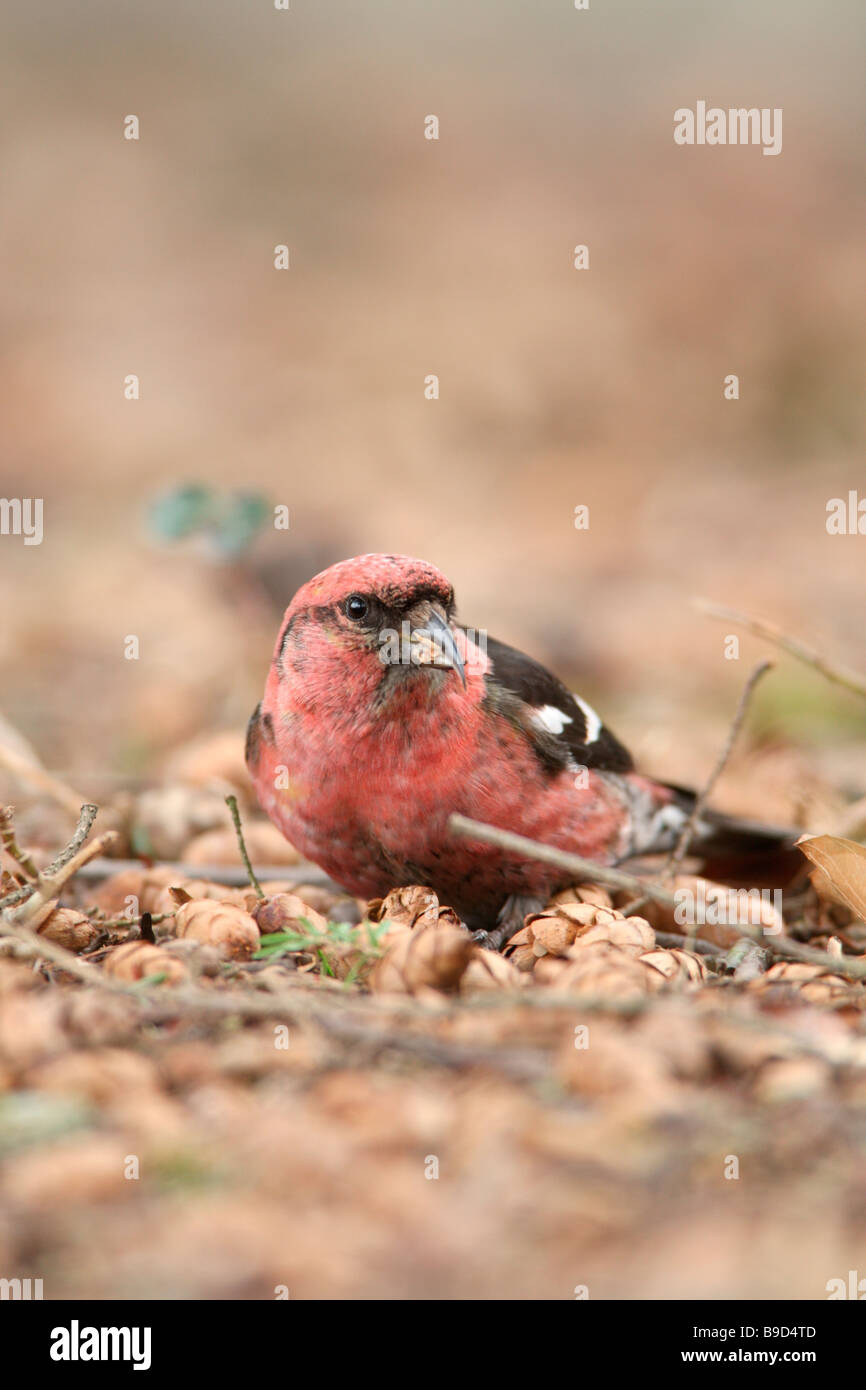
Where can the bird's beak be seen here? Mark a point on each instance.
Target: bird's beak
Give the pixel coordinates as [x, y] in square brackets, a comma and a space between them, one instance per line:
[435, 645]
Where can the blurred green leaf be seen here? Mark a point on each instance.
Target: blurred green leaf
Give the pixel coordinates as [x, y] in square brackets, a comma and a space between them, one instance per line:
[181, 512]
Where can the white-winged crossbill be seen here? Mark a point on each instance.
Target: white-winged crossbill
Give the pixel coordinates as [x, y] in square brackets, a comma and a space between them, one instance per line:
[382, 715]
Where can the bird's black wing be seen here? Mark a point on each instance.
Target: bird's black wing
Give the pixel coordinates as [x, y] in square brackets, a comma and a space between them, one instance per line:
[564, 730]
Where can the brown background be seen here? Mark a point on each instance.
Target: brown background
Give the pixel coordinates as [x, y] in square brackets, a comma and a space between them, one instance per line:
[411, 257]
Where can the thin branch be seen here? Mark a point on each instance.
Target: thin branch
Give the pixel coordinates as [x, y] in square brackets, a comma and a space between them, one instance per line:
[332, 1017]
[232, 803]
[86, 818]
[706, 791]
[585, 870]
[854, 968]
[841, 675]
[678, 853]
[786, 948]
[672, 941]
[48, 887]
[215, 873]
[30, 943]
[9, 843]
[334, 1021]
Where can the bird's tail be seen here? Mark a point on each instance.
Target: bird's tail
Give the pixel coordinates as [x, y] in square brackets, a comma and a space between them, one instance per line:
[738, 847]
[729, 846]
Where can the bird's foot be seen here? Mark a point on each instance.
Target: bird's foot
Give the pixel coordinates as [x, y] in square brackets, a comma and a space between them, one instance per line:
[510, 920]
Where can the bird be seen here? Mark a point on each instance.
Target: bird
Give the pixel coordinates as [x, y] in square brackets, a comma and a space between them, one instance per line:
[383, 715]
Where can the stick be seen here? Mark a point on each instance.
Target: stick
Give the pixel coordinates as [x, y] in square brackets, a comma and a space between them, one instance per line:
[852, 966]
[11, 846]
[52, 879]
[585, 870]
[232, 803]
[678, 853]
[703, 796]
[780, 945]
[334, 1022]
[30, 943]
[217, 873]
[672, 941]
[48, 887]
[841, 675]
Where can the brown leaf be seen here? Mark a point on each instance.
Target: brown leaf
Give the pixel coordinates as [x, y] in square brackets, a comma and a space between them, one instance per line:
[843, 869]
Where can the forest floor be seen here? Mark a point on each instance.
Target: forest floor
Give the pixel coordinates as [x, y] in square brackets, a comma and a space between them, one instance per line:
[208, 1094]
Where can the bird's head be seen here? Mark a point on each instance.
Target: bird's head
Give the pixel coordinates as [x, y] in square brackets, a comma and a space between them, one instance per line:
[370, 627]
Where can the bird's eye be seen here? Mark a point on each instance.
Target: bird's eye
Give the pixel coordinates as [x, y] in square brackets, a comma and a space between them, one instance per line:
[356, 607]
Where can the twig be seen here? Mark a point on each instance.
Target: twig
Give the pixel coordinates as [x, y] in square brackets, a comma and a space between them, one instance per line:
[109, 924]
[217, 873]
[584, 869]
[30, 943]
[50, 883]
[10, 844]
[780, 945]
[703, 796]
[17, 895]
[678, 853]
[672, 941]
[99, 868]
[841, 675]
[854, 967]
[86, 818]
[232, 803]
[337, 1024]
[747, 960]
[332, 1017]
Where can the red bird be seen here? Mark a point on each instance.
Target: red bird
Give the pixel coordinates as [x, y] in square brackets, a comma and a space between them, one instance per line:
[382, 715]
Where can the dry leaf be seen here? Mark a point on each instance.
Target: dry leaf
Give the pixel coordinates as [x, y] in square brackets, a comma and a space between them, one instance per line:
[842, 869]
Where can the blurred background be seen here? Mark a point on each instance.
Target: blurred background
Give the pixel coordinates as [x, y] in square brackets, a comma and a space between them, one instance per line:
[411, 257]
